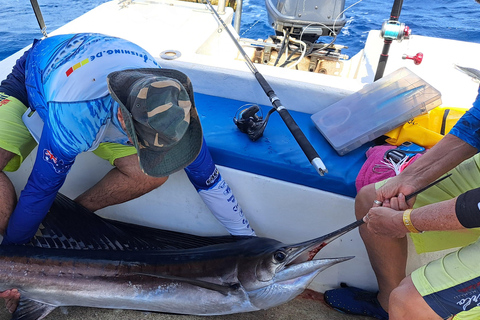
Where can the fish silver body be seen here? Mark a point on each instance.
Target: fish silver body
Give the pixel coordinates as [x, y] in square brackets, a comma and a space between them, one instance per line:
[239, 275]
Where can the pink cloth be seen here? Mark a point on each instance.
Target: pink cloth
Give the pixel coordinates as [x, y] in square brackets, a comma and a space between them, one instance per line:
[369, 173]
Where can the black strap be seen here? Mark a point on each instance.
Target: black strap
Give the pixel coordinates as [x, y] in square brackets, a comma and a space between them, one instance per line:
[444, 121]
[38, 14]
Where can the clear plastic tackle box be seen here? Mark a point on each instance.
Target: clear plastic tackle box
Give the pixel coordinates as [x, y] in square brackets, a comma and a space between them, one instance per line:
[375, 109]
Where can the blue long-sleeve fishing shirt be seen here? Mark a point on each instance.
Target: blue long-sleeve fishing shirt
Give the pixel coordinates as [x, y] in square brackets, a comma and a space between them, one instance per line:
[65, 82]
[468, 127]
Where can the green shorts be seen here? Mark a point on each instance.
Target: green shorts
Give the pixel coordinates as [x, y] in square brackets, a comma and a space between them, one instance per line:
[15, 137]
[465, 176]
[449, 285]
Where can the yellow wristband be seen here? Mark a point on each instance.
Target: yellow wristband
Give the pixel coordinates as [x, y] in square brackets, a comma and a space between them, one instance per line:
[408, 223]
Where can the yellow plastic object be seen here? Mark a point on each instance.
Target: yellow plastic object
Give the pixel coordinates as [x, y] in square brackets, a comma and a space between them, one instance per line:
[426, 130]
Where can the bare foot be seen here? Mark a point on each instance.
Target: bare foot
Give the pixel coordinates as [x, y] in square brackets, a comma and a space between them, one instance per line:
[11, 298]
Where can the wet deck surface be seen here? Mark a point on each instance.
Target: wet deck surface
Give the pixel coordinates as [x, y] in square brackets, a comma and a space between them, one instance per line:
[303, 307]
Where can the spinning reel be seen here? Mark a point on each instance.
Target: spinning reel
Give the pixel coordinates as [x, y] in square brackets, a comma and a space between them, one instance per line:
[249, 122]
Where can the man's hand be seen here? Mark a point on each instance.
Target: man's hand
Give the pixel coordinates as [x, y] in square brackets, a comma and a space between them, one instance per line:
[385, 222]
[391, 194]
[11, 297]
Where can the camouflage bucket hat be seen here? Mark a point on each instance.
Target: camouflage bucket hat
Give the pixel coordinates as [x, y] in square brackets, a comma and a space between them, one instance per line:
[160, 117]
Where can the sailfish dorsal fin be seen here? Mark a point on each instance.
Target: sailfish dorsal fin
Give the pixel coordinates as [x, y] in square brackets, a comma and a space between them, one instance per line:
[69, 225]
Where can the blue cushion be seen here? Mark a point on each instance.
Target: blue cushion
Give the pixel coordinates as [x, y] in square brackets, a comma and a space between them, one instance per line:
[276, 154]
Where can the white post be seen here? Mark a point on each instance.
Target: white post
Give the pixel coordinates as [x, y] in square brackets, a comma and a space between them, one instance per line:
[221, 6]
[238, 16]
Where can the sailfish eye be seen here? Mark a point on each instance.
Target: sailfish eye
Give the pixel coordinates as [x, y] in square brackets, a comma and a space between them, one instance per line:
[280, 256]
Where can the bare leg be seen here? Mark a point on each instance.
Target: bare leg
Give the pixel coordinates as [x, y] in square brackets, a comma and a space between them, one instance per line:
[8, 197]
[8, 201]
[123, 183]
[407, 303]
[388, 256]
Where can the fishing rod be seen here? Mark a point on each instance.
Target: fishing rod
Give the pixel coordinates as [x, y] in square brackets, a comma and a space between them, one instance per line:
[297, 133]
[359, 222]
[38, 14]
[391, 30]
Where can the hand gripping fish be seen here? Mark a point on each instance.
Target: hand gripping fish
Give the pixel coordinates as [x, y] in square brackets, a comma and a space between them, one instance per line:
[80, 259]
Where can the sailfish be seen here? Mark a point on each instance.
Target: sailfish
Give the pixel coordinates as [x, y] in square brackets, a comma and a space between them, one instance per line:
[78, 258]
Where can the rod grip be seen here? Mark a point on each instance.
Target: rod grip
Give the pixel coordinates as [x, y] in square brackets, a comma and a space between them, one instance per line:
[382, 61]
[396, 10]
[287, 118]
[264, 84]
[297, 133]
[302, 140]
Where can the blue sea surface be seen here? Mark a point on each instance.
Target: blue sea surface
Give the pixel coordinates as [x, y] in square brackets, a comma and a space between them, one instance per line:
[438, 18]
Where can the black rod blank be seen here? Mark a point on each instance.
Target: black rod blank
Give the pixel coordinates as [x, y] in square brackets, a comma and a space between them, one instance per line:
[297, 133]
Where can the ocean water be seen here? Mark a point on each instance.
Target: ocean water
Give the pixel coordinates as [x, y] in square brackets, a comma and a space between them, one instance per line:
[449, 19]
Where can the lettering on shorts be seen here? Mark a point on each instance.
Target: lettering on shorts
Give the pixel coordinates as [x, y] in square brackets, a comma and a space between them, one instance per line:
[466, 303]
[470, 287]
[469, 296]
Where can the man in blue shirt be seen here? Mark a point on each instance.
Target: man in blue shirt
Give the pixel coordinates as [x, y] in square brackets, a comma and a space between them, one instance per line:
[91, 92]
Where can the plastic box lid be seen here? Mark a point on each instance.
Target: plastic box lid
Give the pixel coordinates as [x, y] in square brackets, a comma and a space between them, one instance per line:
[376, 109]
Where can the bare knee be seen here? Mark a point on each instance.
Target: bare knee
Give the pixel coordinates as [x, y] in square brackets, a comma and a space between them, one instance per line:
[407, 303]
[121, 184]
[399, 307]
[364, 200]
[130, 167]
[152, 183]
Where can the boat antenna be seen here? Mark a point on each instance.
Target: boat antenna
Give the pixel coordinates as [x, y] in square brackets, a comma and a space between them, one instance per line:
[297, 133]
[38, 14]
[391, 30]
